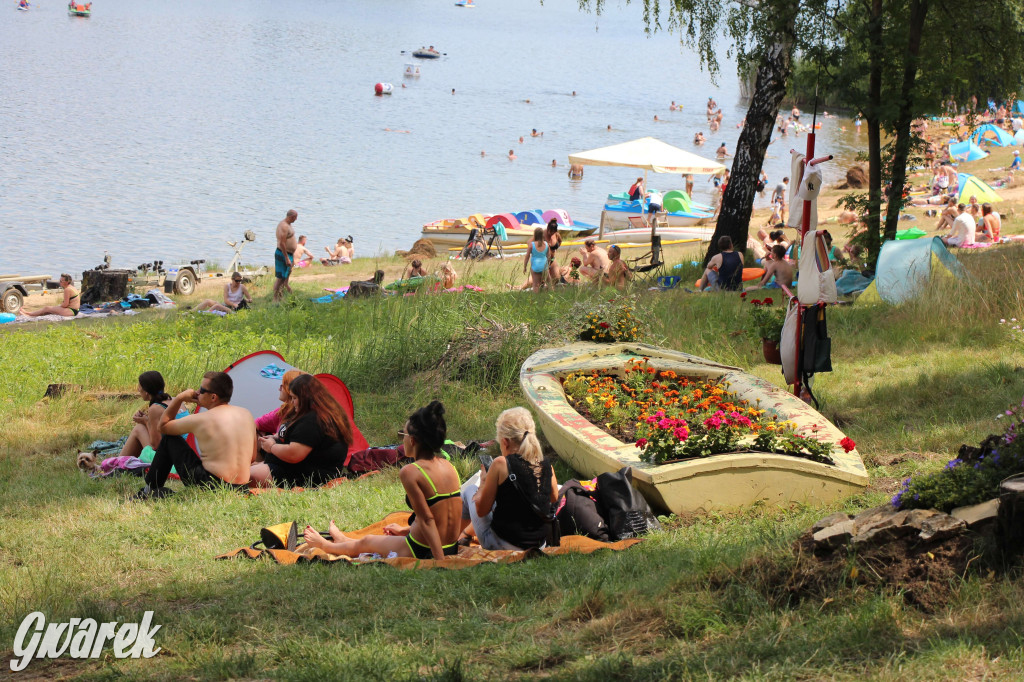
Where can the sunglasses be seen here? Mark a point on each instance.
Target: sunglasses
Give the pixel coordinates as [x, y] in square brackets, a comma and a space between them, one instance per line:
[204, 390]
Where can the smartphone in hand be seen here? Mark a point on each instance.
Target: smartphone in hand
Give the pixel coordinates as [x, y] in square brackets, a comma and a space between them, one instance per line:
[485, 461]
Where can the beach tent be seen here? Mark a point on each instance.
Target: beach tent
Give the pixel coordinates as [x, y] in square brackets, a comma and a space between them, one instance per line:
[993, 135]
[1018, 108]
[966, 151]
[648, 154]
[905, 267]
[257, 378]
[1019, 136]
[971, 185]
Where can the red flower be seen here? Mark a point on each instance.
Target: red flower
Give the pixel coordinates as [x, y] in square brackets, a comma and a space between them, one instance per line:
[847, 444]
[604, 325]
[743, 295]
[769, 301]
[755, 302]
[641, 442]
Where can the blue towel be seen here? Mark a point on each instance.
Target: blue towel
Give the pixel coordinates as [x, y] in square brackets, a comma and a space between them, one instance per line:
[272, 371]
[851, 282]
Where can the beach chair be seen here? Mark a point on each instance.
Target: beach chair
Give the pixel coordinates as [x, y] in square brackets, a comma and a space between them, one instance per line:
[638, 222]
[647, 268]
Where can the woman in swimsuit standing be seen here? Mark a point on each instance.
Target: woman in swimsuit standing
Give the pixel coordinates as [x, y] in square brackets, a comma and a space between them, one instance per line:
[436, 522]
[69, 308]
[537, 258]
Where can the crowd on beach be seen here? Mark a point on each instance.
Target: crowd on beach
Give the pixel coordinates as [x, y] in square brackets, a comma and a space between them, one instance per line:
[307, 442]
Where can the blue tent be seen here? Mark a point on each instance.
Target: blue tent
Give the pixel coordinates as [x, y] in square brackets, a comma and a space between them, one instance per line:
[905, 267]
[1018, 108]
[966, 151]
[993, 135]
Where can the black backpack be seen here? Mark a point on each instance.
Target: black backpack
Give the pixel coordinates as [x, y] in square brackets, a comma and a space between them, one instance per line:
[626, 511]
[578, 513]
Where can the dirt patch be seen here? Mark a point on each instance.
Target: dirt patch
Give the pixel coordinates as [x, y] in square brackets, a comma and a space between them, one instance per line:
[423, 248]
[927, 574]
[894, 458]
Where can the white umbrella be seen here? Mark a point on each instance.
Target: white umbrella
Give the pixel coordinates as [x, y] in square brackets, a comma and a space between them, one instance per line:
[648, 154]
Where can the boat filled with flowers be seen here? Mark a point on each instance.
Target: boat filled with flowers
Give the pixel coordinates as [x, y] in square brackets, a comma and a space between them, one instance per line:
[698, 434]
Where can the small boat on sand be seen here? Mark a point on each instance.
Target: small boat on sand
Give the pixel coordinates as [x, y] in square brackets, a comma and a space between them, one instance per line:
[717, 482]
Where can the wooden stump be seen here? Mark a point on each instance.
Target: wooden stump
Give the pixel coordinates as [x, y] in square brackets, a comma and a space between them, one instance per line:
[99, 286]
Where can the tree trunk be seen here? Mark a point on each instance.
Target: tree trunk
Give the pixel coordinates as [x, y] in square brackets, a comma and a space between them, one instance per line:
[901, 147]
[872, 116]
[738, 200]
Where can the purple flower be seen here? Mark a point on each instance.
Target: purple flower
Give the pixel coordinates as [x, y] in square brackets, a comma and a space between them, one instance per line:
[953, 463]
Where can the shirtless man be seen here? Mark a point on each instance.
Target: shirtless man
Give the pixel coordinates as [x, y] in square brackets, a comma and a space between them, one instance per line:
[284, 255]
[225, 436]
[301, 252]
[618, 272]
[778, 267]
[595, 259]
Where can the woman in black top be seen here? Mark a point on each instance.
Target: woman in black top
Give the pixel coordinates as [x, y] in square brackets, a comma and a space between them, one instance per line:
[514, 499]
[312, 448]
[147, 420]
[554, 241]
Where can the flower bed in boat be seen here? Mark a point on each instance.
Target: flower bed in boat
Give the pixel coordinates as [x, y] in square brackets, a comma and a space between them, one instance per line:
[672, 417]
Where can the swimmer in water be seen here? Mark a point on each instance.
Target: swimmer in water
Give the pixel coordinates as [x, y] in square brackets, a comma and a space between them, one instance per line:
[609, 126]
[554, 164]
[573, 93]
[511, 155]
[655, 117]
[483, 153]
[520, 139]
[534, 133]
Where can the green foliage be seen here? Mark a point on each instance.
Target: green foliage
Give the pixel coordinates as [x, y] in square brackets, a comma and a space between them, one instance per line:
[619, 318]
[972, 477]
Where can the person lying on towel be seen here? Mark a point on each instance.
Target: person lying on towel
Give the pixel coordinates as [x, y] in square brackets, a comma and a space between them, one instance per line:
[311, 448]
[225, 436]
[432, 491]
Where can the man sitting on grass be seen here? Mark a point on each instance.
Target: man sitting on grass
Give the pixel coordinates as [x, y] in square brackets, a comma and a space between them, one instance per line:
[225, 436]
[964, 229]
[724, 270]
[618, 272]
[595, 259]
[777, 266]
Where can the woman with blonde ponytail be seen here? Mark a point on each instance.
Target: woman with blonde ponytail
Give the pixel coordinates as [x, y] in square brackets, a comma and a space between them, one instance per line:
[502, 503]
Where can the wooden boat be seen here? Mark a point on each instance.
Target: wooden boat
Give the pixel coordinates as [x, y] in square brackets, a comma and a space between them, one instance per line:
[717, 482]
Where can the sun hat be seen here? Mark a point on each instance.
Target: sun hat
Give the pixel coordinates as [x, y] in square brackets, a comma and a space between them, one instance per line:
[1016, 152]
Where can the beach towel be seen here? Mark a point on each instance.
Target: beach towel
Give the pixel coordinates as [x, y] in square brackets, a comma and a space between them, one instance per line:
[272, 371]
[474, 555]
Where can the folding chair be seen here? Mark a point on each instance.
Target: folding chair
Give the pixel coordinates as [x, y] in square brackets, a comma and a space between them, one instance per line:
[648, 267]
[638, 222]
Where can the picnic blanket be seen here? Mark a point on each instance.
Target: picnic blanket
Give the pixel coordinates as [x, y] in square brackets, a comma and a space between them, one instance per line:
[474, 555]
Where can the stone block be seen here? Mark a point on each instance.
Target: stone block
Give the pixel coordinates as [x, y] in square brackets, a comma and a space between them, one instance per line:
[831, 520]
[977, 514]
[834, 536]
[940, 527]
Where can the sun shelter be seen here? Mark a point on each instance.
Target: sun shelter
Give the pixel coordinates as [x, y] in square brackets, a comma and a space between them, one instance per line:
[648, 154]
[971, 185]
[1018, 107]
[905, 267]
[966, 151]
[992, 135]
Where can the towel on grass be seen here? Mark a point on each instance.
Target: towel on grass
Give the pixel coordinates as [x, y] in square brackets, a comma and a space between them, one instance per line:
[474, 555]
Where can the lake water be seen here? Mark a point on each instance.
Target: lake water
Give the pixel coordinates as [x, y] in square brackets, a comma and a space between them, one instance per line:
[159, 130]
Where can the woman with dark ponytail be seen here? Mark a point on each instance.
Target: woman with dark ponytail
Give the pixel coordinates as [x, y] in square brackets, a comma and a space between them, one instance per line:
[431, 490]
[146, 432]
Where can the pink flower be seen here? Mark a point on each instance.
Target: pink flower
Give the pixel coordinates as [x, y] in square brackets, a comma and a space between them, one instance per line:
[713, 422]
[641, 443]
[681, 433]
[652, 420]
[666, 424]
[659, 414]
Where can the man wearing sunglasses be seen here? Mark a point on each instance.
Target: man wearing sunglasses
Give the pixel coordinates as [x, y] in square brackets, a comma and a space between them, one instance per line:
[225, 438]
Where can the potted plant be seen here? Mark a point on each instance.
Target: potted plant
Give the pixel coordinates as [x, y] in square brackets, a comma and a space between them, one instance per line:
[766, 322]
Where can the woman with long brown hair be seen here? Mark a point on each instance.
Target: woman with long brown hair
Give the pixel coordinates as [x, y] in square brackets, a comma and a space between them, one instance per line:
[311, 448]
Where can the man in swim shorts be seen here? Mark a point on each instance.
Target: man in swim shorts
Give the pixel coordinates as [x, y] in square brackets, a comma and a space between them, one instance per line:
[225, 437]
[284, 255]
[595, 260]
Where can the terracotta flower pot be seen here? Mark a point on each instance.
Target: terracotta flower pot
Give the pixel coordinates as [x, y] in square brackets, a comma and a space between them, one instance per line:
[772, 354]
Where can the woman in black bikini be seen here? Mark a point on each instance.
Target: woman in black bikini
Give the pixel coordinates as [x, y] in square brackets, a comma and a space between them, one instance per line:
[147, 419]
[70, 306]
[554, 241]
[431, 490]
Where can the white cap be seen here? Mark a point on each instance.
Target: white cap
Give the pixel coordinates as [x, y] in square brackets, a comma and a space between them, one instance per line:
[1016, 153]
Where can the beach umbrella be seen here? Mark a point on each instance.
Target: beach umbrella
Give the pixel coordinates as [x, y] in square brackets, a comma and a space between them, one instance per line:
[972, 185]
[648, 154]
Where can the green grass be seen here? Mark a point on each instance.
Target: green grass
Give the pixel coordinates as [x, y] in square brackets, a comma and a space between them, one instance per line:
[911, 384]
